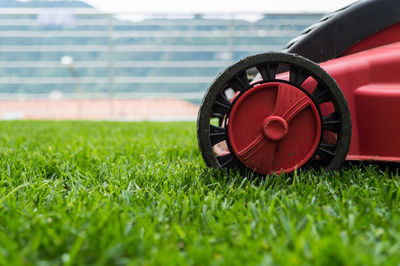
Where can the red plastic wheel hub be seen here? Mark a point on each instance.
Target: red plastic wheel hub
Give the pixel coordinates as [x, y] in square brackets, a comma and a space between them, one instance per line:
[274, 127]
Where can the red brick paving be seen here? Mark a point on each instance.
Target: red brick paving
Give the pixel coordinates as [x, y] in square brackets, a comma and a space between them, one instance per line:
[93, 109]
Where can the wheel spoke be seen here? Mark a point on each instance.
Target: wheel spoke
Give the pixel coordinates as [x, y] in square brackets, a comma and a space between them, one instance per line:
[331, 122]
[289, 104]
[226, 161]
[217, 134]
[240, 82]
[320, 95]
[326, 151]
[268, 71]
[297, 76]
[221, 105]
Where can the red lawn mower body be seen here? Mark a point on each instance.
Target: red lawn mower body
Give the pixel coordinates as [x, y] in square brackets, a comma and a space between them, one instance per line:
[369, 77]
[360, 49]
[333, 94]
[370, 82]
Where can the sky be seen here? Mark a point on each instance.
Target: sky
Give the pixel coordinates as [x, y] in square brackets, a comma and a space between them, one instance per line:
[218, 6]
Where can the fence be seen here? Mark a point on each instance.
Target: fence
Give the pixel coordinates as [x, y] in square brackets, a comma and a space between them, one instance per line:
[88, 54]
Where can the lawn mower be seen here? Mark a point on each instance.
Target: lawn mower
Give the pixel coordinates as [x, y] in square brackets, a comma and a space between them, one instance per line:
[332, 95]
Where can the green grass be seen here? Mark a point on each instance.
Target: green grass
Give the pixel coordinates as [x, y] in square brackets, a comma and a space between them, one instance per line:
[139, 193]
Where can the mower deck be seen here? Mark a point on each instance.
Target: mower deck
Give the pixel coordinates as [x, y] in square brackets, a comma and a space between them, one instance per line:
[370, 82]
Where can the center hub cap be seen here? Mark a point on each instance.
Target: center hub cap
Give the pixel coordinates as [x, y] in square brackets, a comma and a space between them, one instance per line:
[274, 127]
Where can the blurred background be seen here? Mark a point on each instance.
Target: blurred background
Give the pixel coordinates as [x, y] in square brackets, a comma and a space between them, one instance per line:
[110, 60]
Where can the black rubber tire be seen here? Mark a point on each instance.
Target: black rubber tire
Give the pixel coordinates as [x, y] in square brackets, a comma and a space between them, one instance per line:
[299, 62]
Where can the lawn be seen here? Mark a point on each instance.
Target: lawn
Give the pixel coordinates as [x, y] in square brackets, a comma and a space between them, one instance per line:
[138, 193]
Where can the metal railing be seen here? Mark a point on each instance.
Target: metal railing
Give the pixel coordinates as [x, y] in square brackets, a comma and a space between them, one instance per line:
[129, 55]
